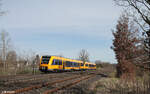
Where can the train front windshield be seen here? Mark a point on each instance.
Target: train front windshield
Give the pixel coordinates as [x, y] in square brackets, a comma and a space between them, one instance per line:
[45, 59]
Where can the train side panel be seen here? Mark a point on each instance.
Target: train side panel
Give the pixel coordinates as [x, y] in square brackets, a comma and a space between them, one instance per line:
[55, 64]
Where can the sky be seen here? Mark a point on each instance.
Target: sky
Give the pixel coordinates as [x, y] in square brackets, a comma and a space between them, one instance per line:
[61, 27]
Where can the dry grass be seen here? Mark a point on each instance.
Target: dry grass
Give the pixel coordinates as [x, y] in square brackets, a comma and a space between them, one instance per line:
[118, 86]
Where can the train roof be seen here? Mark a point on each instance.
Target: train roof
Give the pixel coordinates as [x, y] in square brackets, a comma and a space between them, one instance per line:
[90, 63]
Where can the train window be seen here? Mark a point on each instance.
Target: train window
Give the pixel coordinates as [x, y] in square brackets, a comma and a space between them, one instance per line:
[45, 59]
[82, 64]
[78, 64]
[64, 63]
[60, 62]
[57, 62]
[71, 64]
[53, 62]
[74, 64]
[86, 65]
[68, 63]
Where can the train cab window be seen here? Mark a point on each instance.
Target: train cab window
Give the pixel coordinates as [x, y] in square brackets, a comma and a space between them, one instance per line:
[45, 59]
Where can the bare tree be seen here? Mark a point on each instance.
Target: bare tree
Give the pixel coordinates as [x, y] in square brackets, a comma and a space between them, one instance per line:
[11, 62]
[140, 12]
[5, 46]
[84, 55]
[36, 63]
[11, 57]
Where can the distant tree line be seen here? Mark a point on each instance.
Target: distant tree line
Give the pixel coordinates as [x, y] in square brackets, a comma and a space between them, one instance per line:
[10, 61]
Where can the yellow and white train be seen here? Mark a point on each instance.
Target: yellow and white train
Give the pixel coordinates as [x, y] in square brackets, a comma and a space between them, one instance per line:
[55, 63]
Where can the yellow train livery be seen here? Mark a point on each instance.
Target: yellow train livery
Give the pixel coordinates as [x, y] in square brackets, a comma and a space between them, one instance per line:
[56, 63]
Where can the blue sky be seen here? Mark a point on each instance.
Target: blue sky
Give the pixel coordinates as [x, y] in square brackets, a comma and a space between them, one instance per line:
[62, 26]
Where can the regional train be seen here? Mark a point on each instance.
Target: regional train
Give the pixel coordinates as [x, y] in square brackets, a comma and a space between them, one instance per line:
[56, 64]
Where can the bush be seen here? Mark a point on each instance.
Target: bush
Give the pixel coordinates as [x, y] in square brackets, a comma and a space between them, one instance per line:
[118, 86]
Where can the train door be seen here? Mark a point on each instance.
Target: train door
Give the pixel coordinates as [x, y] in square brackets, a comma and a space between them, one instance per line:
[60, 65]
[64, 64]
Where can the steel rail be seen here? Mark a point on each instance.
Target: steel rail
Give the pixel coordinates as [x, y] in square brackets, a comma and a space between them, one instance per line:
[68, 85]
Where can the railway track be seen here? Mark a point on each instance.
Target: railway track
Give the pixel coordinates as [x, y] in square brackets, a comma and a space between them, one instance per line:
[61, 83]
[25, 78]
[67, 85]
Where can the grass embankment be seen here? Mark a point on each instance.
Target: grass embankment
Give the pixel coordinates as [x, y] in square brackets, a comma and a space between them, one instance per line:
[113, 85]
[118, 86]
